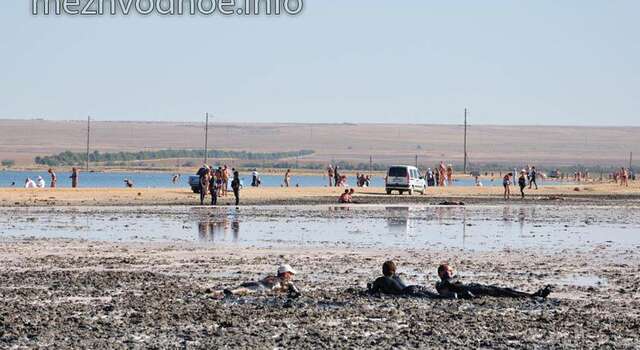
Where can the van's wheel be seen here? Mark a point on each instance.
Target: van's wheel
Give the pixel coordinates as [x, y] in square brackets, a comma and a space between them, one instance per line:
[411, 191]
[388, 191]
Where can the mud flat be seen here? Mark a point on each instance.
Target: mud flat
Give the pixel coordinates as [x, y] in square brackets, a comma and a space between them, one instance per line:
[144, 277]
[86, 294]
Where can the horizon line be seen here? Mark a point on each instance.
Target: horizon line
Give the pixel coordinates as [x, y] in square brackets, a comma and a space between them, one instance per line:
[318, 123]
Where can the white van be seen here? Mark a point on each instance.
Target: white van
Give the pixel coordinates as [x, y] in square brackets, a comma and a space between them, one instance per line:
[403, 178]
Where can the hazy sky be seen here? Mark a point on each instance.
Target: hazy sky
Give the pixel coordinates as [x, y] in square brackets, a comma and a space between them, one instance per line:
[510, 62]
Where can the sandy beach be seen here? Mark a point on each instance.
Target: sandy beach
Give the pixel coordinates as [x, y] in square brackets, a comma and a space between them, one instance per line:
[582, 193]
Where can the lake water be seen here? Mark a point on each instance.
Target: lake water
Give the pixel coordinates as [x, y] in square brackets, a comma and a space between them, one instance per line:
[163, 180]
[479, 228]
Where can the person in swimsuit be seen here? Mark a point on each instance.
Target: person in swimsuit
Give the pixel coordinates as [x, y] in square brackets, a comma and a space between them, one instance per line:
[450, 287]
[345, 197]
[280, 283]
[225, 181]
[205, 180]
[392, 284]
[330, 175]
[287, 178]
[75, 176]
[506, 183]
[54, 178]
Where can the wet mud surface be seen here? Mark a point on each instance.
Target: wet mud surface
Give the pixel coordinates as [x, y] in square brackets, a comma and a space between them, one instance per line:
[86, 294]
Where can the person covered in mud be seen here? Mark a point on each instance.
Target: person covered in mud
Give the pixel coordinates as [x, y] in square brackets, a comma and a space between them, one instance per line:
[391, 283]
[450, 287]
[280, 283]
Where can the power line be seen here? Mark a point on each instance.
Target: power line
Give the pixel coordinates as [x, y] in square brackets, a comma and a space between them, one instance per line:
[88, 139]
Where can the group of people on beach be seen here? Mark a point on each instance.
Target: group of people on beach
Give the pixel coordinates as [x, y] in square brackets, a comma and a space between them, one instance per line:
[41, 183]
[622, 177]
[335, 178]
[215, 182]
[441, 177]
[529, 177]
[449, 286]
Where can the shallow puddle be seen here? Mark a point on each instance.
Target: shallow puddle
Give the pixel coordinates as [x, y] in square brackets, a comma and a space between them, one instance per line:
[480, 228]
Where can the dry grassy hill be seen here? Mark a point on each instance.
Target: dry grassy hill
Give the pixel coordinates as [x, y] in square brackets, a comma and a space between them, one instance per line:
[22, 140]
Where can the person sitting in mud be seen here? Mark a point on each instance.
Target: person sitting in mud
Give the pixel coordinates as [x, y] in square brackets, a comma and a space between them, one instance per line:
[345, 198]
[281, 283]
[391, 283]
[352, 191]
[449, 287]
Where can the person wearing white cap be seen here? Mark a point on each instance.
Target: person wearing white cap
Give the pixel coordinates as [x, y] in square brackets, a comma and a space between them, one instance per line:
[40, 182]
[281, 283]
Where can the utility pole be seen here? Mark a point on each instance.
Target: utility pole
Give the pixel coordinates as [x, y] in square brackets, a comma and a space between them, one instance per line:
[370, 164]
[465, 140]
[630, 160]
[88, 138]
[416, 160]
[206, 137]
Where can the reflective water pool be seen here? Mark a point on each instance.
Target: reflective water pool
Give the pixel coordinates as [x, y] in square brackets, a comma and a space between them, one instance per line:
[475, 228]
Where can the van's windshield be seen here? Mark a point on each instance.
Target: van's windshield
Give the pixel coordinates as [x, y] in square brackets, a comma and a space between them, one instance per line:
[397, 171]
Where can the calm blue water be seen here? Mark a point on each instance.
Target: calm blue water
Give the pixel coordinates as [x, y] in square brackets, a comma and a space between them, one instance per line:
[163, 180]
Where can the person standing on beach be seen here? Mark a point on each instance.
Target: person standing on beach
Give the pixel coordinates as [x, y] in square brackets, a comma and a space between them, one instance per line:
[430, 178]
[624, 177]
[205, 182]
[235, 186]
[336, 176]
[255, 178]
[213, 186]
[54, 178]
[330, 175]
[287, 178]
[75, 175]
[442, 171]
[450, 175]
[533, 174]
[522, 182]
[506, 183]
[225, 181]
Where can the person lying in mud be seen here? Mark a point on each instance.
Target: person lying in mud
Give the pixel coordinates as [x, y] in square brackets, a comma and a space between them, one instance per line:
[450, 287]
[391, 283]
[281, 283]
